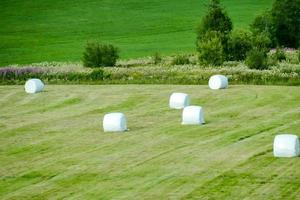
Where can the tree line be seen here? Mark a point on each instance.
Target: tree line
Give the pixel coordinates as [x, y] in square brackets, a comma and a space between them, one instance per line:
[217, 41]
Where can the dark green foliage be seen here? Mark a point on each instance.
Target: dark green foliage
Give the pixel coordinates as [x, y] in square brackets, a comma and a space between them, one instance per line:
[181, 60]
[215, 20]
[97, 74]
[281, 24]
[110, 55]
[257, 59]
[286, 19]
[157, 58]
[299, 55]
[239, 44]
[99, 55]
[92, 55]
[262, 41]
[264, 24]
[210, 49]
[272, 60]
[280, 54]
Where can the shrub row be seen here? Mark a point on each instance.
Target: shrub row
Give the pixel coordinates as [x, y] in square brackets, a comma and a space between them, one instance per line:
[193, 75]
[154, 75]
[20, 75]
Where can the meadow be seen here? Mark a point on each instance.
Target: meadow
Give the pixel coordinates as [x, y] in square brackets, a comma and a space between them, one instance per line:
[145, 71]
[58, 30]
[52, 143]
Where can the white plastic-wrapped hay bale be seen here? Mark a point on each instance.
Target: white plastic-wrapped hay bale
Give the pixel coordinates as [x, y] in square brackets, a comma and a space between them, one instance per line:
[217, 82]
[193, 115]
[179, 100]
[286, 145]
[114, 122]
[34, 85]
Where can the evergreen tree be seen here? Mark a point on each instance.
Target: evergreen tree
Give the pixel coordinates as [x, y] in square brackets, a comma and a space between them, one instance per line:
[286, 19]
[217, 21]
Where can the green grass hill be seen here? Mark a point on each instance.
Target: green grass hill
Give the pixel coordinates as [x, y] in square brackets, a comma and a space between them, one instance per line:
[57, 30]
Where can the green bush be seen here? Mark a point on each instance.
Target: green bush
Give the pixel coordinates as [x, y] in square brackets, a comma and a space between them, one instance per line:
[216, 20]
[264, 24]
[280, 54]
[100, 55]
[272, 60]
[286, 19]
[239, 44]
[210, 50]
[97, 74]
[180, 60]
[257, 59]
[157, 58]
[262, 41]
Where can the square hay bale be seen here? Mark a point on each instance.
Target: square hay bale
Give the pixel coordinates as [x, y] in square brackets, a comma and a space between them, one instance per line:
[179, 100]
[217, 82]
[193, 115]
[286, 145]
[34, 85]
[114, 122]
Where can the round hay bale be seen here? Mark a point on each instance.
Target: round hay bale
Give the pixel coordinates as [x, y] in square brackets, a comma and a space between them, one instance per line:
[286, 145]
[179, 100]
[34, 85]
[114, 122]
[193, 115]
[217, 82]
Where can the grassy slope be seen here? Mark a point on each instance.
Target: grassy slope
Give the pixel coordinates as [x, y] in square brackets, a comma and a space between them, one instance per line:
[57, 30]
[52, 144]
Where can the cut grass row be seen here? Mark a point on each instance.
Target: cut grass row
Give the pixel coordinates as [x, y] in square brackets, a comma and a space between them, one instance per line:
[53, 146]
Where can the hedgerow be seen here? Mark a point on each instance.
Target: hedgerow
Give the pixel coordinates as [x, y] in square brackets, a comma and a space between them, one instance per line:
[281, 74]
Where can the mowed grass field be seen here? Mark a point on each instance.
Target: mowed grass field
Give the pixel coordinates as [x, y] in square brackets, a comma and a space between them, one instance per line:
[57, 30]
[53, 146]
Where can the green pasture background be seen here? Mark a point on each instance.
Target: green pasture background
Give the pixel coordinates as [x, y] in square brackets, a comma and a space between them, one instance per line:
[57, 30]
